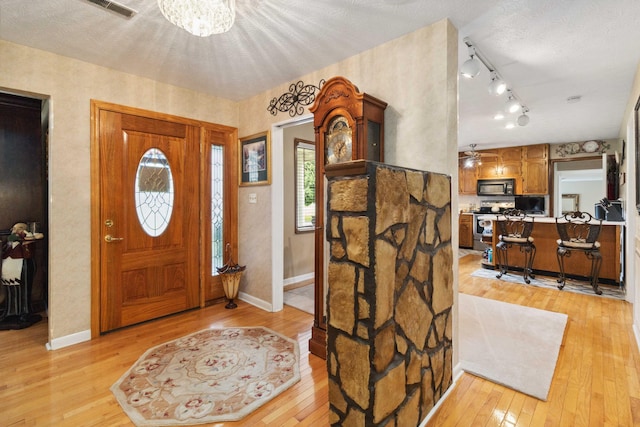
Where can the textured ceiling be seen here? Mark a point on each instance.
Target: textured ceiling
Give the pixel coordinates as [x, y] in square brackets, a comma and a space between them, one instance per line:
[547, 50]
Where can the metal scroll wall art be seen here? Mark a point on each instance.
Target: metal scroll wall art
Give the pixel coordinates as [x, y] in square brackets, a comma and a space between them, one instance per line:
[294, 101]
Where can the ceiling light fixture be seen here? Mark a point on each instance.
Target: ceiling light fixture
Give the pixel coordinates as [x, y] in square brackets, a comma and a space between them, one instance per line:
[497, 85]
[200, 17]
[523, 119]
[471, 66]
[499, 116]
[512, 104]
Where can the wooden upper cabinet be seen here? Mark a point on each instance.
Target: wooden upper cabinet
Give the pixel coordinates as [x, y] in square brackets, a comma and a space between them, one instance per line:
[528, 165]
[535, 169]
[466, 179]
[511, 154]
[488, 168]
[540, 151]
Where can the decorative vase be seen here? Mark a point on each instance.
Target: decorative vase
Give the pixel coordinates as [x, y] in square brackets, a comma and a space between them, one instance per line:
[230, 274]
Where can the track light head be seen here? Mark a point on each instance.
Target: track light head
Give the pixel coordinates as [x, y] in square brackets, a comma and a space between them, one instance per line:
[497, 85]
[512, 104]
[471, 66]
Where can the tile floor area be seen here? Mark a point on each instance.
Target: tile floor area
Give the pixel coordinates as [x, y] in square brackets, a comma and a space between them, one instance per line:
[300, 298]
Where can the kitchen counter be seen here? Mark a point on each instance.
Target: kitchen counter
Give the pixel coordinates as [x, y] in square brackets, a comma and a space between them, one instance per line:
[543, 219]
[545, 237]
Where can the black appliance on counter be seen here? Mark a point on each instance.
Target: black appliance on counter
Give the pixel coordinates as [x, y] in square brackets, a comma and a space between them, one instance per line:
[609, 210]
[530, 204]
[496, 187]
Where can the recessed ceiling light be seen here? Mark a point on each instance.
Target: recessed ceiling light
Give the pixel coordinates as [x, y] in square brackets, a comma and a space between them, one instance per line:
[498, 116]
[509, 126]
[574, 99]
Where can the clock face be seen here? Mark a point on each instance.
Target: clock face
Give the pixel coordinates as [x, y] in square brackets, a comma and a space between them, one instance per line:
[338, 141]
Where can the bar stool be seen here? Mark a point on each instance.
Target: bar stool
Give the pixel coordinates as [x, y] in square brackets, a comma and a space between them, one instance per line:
[515, 230]
[579, 231]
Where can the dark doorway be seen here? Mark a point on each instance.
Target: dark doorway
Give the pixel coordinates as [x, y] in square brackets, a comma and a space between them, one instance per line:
[23, 182]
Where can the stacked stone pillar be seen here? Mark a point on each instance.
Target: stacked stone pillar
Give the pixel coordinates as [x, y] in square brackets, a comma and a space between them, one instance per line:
[390, 292]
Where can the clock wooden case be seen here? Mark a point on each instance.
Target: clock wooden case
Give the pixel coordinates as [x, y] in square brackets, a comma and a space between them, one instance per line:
[349, 125]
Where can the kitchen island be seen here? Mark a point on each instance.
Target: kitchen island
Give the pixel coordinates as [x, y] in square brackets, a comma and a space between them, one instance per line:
[578, 266]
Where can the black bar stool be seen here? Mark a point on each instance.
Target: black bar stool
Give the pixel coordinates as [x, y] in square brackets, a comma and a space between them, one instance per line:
[579, 231]
[515, 228]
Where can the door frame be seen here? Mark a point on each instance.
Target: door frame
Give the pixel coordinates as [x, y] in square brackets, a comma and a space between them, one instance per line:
[204, 146]
[277, 207]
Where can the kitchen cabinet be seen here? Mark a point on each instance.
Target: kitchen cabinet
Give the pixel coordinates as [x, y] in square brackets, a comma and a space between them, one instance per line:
[535, 169]
[466, 179]
[528, 165]
[465, 229]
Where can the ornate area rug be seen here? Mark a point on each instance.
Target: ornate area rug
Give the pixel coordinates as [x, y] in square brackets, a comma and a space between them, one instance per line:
[209, 376]
[510, 344]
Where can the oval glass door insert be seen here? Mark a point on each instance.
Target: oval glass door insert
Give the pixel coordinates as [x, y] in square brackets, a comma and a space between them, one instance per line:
[154, 192]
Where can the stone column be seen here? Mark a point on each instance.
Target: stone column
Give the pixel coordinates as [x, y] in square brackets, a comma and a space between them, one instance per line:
[390, 292]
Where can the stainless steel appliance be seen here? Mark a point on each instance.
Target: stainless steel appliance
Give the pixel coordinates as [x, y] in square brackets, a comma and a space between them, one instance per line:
[481, 228]
[496, 187]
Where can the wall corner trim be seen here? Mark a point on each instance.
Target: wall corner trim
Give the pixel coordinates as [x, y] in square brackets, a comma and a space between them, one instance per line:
[67, 340]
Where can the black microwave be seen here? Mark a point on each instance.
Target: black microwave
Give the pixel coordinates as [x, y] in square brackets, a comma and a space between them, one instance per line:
[496, 187]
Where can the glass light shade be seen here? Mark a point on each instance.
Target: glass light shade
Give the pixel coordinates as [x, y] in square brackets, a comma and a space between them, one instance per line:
[200, 17]
[470, 68]
[523, 120]
[497, 85]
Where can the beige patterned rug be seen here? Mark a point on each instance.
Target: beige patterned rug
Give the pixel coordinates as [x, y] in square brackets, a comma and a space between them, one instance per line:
[209, 376]
[510, 344]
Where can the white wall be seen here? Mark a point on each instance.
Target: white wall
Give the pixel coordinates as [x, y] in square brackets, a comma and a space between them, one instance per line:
[627, 132]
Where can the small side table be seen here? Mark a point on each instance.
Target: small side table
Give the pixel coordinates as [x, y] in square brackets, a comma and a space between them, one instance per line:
[17, 278]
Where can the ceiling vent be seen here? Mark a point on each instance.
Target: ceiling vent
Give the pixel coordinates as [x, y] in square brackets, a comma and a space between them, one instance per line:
[114, 7]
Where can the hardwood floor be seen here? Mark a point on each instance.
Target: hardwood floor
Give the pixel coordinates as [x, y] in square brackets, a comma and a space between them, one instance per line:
[597, 379]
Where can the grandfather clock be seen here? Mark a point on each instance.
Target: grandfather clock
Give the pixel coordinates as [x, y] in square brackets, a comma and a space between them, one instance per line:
[349, 125]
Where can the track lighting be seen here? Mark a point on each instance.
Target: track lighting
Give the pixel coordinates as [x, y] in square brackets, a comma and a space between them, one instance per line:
[497, 85]
[512, 104]
[471, 66]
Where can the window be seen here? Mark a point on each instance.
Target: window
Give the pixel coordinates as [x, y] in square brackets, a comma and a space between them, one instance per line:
[305, 184]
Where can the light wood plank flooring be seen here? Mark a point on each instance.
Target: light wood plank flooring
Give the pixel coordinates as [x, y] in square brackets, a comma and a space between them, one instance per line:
[597, 379]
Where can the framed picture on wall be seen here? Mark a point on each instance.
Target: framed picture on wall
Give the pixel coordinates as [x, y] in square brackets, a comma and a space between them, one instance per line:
[255, 159]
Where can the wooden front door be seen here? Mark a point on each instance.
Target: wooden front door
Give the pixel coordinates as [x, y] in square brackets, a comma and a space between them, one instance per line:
[149, 218]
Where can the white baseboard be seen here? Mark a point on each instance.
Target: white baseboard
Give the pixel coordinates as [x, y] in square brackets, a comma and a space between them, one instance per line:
[68, 340]
[297, 279]
[636, 333]
[444, 397]
[255, 301]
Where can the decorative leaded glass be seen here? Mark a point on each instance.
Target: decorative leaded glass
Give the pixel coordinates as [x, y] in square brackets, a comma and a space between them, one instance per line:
[154, 192]
[217, 208]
